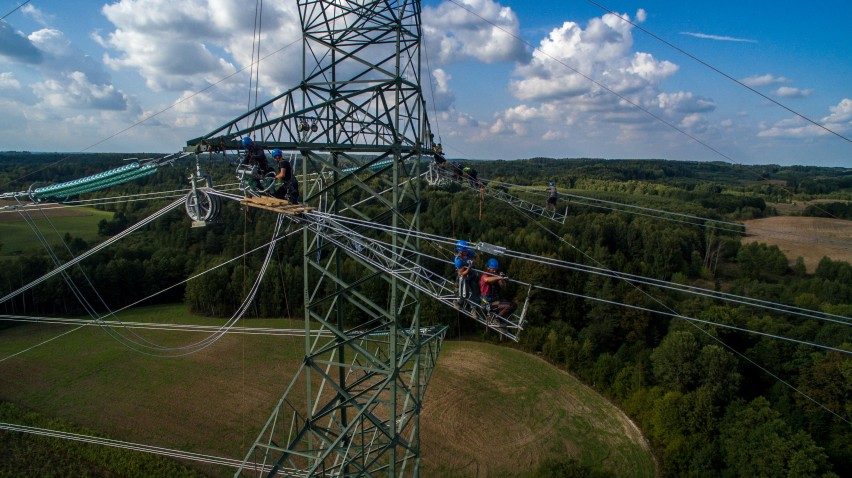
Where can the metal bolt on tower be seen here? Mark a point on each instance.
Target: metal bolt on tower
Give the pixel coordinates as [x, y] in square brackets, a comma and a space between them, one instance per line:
[358, 119]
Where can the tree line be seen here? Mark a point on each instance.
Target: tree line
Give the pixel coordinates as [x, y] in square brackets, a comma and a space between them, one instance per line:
[705, 409]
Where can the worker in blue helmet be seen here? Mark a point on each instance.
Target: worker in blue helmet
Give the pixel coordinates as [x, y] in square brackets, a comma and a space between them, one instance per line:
[466, 276]
[492, 290]
[255, 156]
[289, 189]
[551, 195]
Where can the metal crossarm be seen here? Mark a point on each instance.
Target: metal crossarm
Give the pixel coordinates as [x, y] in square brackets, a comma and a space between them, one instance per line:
[380, 256]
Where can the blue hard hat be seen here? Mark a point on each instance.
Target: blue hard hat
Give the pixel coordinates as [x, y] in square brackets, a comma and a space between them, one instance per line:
[462, 245]
[246, 142]
[492, 264]
[277, 153]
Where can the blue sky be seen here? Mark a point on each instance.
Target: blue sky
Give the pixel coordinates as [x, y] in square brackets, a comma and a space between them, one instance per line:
[75, 72]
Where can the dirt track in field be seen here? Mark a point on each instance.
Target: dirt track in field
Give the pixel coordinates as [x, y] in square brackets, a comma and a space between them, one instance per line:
[809, 237]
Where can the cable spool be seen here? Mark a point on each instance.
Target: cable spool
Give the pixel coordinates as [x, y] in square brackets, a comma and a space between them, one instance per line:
[202, 207]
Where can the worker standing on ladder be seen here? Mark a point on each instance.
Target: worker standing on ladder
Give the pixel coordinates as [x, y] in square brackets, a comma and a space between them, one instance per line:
[551, 195]
[492, 286]
[289, 189]
[466, 275]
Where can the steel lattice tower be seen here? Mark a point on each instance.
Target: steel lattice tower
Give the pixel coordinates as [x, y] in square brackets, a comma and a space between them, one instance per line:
[354, 407]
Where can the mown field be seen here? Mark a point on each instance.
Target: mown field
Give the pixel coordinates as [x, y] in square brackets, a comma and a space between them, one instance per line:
[497, 411]
[16, 236]
[489, 410]
[812, 238]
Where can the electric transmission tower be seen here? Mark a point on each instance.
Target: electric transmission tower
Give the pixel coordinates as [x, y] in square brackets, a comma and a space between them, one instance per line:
[359, 125]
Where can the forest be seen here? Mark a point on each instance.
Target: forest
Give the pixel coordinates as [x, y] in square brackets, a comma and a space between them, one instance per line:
[712, 401]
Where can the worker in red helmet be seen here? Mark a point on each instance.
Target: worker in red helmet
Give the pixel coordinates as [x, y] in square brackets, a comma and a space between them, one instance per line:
[492, 287]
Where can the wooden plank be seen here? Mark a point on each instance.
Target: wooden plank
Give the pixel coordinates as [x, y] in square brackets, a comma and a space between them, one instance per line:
[276, 205]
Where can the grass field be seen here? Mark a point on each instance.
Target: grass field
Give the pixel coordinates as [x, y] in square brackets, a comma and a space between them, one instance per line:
[489, 410]
[796, 207]
[16, 236]
[809, 237]
[496, 411]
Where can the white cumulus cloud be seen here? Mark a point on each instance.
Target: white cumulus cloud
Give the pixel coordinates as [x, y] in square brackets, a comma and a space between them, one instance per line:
[17, 47]
[764, 80]
[567, 88]
[790, 92]
[685, 102]
[40, 17]
[453, 33]
[72, 79]
[838, 120]
[443, 95]
[179, 45]
[570, 55]
[78, 92]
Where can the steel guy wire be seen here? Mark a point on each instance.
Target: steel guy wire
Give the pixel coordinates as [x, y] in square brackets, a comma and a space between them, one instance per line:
[156, 450]
[615, 203]
[715, 294]
[778, 307]
[636, 307]
[194, 328]
[742, 228]
[707, 333]
[214, 267]
[82, 272]
[95, 249]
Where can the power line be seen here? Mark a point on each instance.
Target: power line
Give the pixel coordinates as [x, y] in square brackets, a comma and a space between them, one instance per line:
[14, 10]
[605, 272]
[63, 334]
[703, 222]
[717, 70]
[622, 97]
[267, 331]
[671, 313]
[156, 450]
[705, 332]
[599, 84]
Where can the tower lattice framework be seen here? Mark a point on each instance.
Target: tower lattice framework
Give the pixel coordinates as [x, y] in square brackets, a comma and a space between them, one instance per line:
[359, 125]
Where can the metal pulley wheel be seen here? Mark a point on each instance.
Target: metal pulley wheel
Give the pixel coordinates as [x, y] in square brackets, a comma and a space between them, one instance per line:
[202, 206]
